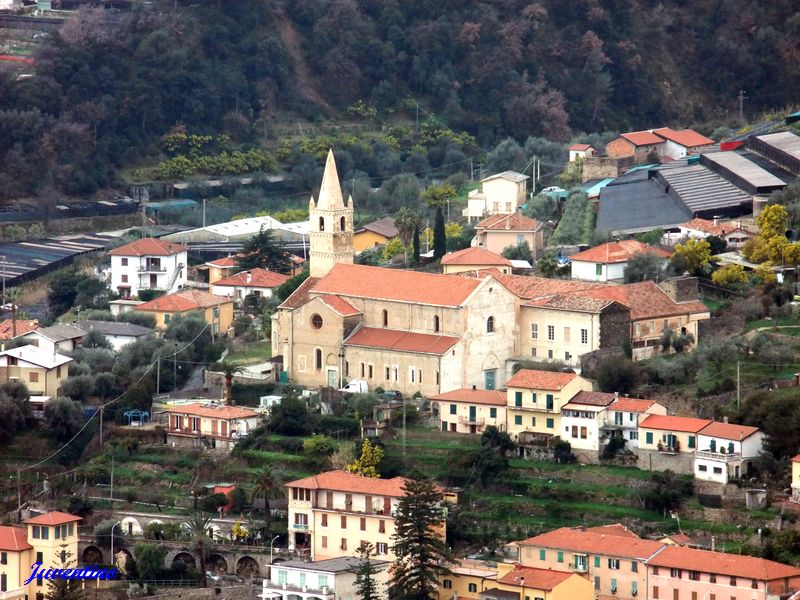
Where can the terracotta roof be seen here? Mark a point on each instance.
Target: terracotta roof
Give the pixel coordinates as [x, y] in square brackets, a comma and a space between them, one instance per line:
[221, 411]
[510, 175]
[593, 542]
[617, 252]
[637, 405]
[708, 227]
[397, 285]
[687, 138]
[401, 341]
[670, 423]
[342, 481]
[571, 303]
[339, 305]
[52, 518]
[148, 247]
[646, 300]
[300, 296]
[512, 222]
[474, 256]
[720, 563]
[617, 529]
[580, 147]
[529, 288]
[729, 431]
[642, 138]
[530, 577]
[592, 398]
[680, 538]
[259, 278]
[540, 380]
[493, 397]
[14, 539]
[796, 458]
[228, 262]
[383, 227]
[23, 326]
[183, 301]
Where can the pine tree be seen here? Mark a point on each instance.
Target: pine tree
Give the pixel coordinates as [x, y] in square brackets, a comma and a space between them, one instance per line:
[422, 553]
[365, 571]
[262, 251]
[64, 589]
[439, 235]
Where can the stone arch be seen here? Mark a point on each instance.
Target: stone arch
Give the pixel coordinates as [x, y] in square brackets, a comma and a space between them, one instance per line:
[490, 362]
[331, 360]
[278, 561]
[247, 566]
[217, 564]
[131, 526]
[186, 558]
[92, 555]
[121, 561]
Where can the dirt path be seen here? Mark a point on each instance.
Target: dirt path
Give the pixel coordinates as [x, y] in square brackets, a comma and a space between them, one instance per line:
[306, 86]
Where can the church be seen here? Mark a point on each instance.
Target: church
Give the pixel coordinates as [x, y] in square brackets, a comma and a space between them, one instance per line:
[396, 329]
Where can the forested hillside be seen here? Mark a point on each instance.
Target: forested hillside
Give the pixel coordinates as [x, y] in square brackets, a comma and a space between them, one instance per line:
[105, 90]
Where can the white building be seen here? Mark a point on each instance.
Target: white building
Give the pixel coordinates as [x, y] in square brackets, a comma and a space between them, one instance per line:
[148, 264]
[622, 418]
[56, 338]
[577, 151]
[581, 419]
[332, 579]
[680, 143]
[733, 233]
[725, 451]
[501, 194]
[255, 282]
[607, 262]
[118, 333]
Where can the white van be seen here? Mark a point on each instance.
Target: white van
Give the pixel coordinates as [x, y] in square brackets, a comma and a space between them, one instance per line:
[357, 386]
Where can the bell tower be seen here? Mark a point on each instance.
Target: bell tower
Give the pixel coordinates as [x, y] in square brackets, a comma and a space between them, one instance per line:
[331, 224]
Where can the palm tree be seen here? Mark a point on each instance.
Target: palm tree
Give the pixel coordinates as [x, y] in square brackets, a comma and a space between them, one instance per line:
[197, 526]
[406, 222]
[269, 486]
[229, 369]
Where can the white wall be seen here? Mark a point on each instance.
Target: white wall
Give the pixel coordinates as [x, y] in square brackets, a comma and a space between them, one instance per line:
[586, 271]
[141, 280]
[672, 149]
[239, 292]
[47, 345]
[592, 425]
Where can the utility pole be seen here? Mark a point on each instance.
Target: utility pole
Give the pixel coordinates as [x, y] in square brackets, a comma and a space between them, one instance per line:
[4, 279]
[404, 430]
[738, 390]
[158, 375]
[742, 98]
[101, 425]
[204, 213]
[533, 175]
[144, 215]
[113, 456]
[471, 171]
[19, 490]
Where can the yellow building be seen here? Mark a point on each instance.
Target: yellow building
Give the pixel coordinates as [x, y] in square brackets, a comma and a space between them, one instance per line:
[217, 311]
[42, 372]
[534, 402]
[538, 584]
[46, 538]
[796, 478]
[669, 434]
[221, 268]
[334, 512]
[470, 410]
[467, 579]
[474, 259]
[374, 234]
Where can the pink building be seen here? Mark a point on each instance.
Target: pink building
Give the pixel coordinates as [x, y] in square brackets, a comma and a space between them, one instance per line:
[678, 573]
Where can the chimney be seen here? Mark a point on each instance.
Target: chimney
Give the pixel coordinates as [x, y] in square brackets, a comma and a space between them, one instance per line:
[474, 387]
[716, 221]
[724, 419]
[249, 277]
[616, 395]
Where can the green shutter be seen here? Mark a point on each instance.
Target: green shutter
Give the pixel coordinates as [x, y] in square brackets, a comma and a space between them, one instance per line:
[533, 397]
[517, 398]
[542, 554]
[550, 423]
[691, 441]
[492, 413]
[517, 419]
[453, 409]
[648, 437]
[597, 561]
[560, 557]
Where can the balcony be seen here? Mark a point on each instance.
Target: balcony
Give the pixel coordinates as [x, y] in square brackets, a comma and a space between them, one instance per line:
[611, 424]
[151, 268]
[13, 594]
[300, 526]
[534, 439]
[535, 408]
[471, 420]
[348, 508]
[271, 589]
[719, 456]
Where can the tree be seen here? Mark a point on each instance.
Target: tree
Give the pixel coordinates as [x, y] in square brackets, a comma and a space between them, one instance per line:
[439, 235]
[617, 374]
[320, 447]
[198, 525]
[547, 266]
[213, 502]
[415, 244]
[91, 292]
[406, 223]
[95, 339]
[63, 418]
[62, 290]
[717, 351]
[645, 266]
[11, 299]
[666, 490]
[729, 276]
[290, 417]
[78, 387]
[693, 257]
[149, 560]
[519, 252]
[366, 465]
[422, 553]
[365, 571]
[262, 252]
[437, 196]
[228, 370]
[392, 248]
[497, 440]
[716, 244]
[64, 588]
[268, 486]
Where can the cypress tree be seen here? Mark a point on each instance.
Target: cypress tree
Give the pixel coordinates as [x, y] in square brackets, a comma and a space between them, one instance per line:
[439, 235]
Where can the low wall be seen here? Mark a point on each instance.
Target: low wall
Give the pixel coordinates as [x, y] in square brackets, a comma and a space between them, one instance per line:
[653, 460]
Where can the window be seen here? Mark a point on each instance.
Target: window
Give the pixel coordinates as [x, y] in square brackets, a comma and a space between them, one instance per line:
[542, 554]
[596, 583]
[33, 377]
[754, 584]
[533, 397]
[124, 262]
[395, 372]
[517, 419]
[551, 332]
[363, 524]
[344, 522]
[412, 374]
[584, 336]
[533, 421]
[369, 369]
[343, 545]
[318, 359]
[385, 318]
[550, 424]
[655, 592]
[638, 330]
[70, 530]
[58, 372]
[490, 325]
[322, 581]
[566, 335]
[382, 548]
[598, 270]
[473, 587]
[694, 575]
[322, 223]
[436, 323]
[613, 563]
[550, 355]
[567, 357]
[712, 578]
[381, 526]
[362, 370]
[560, 557]
[3, 558]
[324, 520]
[648, 437]
[281, 577]
[45, 533]
[676, 573]
[634, 588]
[535, 331]
[387, 374]
[453, 409]
[124, 279]
[717, 470]
[342, 224]
[676, 595]
[549, 402]
[3, 582]
[733, 581]
[324, 541]
[448, 584]
[597, 562]
[316, 321]
[492, 413]
[613, 586]
[533, 352]
[167, 319]
[517, 398]
[634, 567]
[583, 433]
[691, 441]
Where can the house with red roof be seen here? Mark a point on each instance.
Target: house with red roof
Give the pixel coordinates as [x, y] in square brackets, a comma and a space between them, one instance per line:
[581, 151]
[607, 262]
[210, 426]
[643, 146]
[683, 142]
[726, 451]
[260, 283]
[148, 264]
[221, 268]
[516, 582]
[216, 310]
[733, 233]
[497, 232]
[499, 194]
[474, 259]
[623, 416]
[470, 410]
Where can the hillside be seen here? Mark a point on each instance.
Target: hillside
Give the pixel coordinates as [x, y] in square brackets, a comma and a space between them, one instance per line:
[105, 89]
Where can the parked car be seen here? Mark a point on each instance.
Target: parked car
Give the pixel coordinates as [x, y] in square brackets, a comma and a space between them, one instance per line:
[357, 386]
[391, 396]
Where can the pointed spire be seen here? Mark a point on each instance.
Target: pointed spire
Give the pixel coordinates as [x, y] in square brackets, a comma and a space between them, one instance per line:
[330, 192]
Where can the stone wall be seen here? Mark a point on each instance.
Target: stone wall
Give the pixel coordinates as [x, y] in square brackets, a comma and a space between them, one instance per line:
[681, 289]
[653, 460]
[603, 167]
[238, 592]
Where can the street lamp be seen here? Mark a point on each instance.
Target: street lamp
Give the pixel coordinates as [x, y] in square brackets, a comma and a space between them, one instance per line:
[272, 541]
[113, 562]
